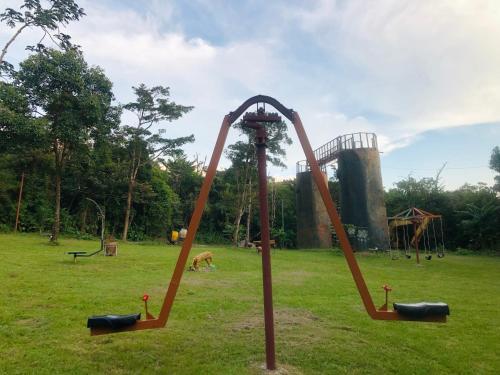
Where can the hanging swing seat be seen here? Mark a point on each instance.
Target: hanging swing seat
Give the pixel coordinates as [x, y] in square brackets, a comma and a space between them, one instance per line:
[113, 322]
[422, 310]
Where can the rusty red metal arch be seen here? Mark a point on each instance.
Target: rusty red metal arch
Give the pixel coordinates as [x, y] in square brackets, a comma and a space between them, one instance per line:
[288, 113]
[379, 314]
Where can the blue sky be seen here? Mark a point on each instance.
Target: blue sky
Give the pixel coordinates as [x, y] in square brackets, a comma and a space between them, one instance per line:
[466, 151]
[422, 75]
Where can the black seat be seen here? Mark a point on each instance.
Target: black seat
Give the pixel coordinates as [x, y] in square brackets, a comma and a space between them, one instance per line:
[422, 309]
[113, 321]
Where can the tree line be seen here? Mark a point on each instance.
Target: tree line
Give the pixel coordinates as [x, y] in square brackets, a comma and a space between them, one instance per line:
[63, 142]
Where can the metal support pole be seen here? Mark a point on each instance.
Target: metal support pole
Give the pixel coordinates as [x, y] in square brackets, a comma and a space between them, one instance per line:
[102, 214]
[103, 223]
[416, 241]
[260, 143]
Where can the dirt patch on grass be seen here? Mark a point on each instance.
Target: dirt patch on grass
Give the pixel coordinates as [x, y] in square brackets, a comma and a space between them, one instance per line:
[284, 319]
[295, 277]
[195, 282]
[344, 328]
[294, 327]
[294, 317]
[260, 369]
[207, 282]
[30, 322]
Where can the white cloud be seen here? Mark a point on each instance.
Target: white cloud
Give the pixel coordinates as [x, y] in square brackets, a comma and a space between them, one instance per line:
[430, 63]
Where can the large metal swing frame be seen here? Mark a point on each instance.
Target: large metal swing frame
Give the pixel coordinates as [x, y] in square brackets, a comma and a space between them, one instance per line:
[382, 313]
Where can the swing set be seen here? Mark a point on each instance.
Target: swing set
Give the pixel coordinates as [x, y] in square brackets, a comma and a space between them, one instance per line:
[86, 254]
[421, 226]
[425, 312]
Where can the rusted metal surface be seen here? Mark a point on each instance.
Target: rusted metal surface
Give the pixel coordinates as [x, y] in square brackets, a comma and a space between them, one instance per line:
[342, 236]
[386, 289]
[195, 222]
[266, 259]
[202, 199]
[266, 255]
[256, 121]
[161, 321]
[334, 217]
[288, 113]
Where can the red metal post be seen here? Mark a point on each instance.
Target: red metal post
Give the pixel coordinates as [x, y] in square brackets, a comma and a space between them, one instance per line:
[335, 219]
[194, 223]
[260, 143]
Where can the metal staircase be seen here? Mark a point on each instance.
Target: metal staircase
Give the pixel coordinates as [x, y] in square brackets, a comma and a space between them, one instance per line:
[329, 151]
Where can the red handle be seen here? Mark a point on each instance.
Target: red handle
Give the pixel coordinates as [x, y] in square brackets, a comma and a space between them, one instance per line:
[386, 287]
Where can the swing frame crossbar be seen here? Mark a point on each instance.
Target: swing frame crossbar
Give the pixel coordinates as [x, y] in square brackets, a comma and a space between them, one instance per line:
[377, 314]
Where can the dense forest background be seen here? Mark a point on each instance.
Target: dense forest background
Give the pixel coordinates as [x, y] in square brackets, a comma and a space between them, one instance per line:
[63, 142]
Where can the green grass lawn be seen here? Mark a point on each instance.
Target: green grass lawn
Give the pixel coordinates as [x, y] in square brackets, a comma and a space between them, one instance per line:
[216, 324]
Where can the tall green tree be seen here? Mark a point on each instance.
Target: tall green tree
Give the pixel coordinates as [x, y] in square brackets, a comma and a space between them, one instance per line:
[284, 228]
[75, 101]
[186, 182]
[47, 16]
[425, 193]
[243, 175]
[475, 217]
[151, 107]
[244, 170]
[19, 130]
[21, 135]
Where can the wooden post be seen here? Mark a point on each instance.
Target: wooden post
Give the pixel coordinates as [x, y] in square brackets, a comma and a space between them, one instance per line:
[21, 185]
